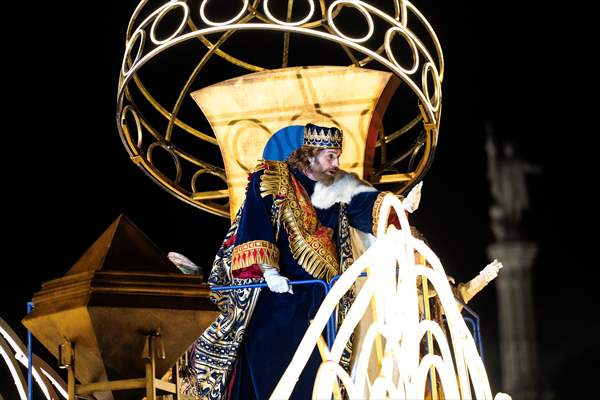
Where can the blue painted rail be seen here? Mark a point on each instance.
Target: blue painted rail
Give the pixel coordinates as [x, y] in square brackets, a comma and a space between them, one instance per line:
[473, 320]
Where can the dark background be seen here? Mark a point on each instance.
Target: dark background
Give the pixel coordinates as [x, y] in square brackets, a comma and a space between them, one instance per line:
[67, 176]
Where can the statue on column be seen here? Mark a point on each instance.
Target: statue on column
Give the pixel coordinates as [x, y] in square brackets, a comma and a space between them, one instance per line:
[507, 176]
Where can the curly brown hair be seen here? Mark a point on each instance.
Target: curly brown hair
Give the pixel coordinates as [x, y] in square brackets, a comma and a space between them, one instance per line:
[300, 158]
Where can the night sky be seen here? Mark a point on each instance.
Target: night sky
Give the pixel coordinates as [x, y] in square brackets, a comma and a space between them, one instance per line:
[67, 175]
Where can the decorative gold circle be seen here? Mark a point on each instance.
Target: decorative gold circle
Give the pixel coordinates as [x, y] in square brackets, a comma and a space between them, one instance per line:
[435, 101]
[130, 43]
[361, 9]
[411, 43]
[169, 150]
[138, 125]
[166, 9]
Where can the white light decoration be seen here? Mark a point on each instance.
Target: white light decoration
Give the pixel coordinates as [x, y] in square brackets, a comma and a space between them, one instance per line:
[12, 350]
[391, 285]
[361, 9]
[15, 372]
[164, 11]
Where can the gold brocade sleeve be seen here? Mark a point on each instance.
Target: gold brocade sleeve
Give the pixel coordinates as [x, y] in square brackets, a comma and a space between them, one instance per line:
[255, 252]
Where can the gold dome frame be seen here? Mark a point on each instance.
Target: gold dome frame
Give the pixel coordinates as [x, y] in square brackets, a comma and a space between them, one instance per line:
[143, 45]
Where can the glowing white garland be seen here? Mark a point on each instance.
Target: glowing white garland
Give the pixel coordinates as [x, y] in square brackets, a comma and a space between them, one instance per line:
[392, 283]
[17, 353]
[160, 16]
[13, 367]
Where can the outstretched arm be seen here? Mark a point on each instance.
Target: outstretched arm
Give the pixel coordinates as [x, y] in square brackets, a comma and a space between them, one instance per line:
[486, 275]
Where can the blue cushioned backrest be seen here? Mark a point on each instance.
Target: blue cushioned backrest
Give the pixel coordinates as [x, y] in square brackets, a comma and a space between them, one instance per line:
[283, 142]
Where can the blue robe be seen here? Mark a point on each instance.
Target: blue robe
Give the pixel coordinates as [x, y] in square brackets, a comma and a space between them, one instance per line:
[277, 226]
[280, 320]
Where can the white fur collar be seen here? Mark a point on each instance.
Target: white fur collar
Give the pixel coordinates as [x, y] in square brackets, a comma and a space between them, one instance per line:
[344, 187]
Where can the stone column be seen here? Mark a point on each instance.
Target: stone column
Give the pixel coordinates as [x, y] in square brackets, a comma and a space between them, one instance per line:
[518, 355]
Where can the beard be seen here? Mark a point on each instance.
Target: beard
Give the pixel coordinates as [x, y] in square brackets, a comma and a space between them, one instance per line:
[323, 175]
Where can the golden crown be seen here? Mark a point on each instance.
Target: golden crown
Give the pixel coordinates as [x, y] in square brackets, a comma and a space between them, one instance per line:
[322, 137]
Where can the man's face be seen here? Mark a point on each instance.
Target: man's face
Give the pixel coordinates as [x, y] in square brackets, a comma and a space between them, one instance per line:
[324, 165]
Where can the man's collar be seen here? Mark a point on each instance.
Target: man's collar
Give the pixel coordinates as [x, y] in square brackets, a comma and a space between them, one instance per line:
[308, 183]
[344, 187]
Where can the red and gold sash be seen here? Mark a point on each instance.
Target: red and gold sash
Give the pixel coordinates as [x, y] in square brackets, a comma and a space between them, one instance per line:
[311, 243]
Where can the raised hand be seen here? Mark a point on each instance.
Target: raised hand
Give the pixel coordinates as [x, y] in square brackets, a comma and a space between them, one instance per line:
[490, 272]
[413, 198]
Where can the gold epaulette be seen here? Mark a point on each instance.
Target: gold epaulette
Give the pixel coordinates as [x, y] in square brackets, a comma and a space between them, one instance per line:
[263, 164]
[274, 181]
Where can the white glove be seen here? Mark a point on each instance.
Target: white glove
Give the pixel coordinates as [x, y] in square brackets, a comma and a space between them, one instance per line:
[276, 282]
[413, 198]
[490, 272]
[184, 264]
[485, 276]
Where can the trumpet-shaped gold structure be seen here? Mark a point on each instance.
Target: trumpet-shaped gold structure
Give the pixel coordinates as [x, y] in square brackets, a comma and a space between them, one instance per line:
[244, 112]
